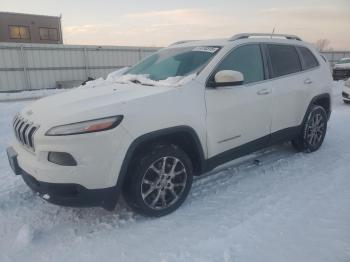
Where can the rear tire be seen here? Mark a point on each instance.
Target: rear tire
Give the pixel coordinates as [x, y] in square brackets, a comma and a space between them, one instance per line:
[313, 131]
[159, 182]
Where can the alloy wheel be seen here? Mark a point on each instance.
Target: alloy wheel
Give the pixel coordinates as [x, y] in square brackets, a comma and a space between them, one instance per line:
[163, 182]
[315, 129]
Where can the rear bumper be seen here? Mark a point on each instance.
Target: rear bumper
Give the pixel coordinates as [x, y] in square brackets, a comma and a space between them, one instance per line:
[66, 194]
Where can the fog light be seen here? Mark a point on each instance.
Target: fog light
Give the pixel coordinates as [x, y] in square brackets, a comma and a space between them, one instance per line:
[61, 158]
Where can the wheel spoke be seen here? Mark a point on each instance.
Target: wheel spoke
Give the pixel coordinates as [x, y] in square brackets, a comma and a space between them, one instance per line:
[310, 137]
[155, 200]
[176, 161]
[179, 184]
[171, 190]
[164, 164]
[314, 140]
[179, 172]
[162, 198]
[159, 172]
[320, 126]
[147, 182]
[312, 123]
[319, 136]
[318, 119]
[149, 191]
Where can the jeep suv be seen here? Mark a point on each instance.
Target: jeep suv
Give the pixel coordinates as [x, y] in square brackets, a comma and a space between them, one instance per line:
[147, 131]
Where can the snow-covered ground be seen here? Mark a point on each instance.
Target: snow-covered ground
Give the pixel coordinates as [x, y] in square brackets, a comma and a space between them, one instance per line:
[291, 207]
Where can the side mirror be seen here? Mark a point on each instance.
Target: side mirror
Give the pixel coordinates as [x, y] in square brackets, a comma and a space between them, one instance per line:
[228, 78]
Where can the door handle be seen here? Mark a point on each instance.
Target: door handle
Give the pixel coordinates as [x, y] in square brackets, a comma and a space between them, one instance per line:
[263, 92]
[308, 81]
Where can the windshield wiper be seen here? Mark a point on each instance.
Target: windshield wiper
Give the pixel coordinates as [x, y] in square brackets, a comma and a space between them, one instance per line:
[139, 82]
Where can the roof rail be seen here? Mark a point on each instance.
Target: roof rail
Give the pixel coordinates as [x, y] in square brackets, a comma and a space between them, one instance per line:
[182, 42]
[247, 35]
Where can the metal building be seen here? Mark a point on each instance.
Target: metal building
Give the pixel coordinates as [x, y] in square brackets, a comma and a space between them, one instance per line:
[27, 28]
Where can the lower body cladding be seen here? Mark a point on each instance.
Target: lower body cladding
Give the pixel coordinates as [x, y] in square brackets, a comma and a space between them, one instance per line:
[92, 181]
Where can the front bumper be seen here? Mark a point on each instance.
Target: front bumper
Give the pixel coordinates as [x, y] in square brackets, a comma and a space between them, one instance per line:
[66, 194]
[341, 74]
[98, 157]
[346, 96]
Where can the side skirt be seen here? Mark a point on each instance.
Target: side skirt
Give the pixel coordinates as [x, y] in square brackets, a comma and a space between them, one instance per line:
[266, 141]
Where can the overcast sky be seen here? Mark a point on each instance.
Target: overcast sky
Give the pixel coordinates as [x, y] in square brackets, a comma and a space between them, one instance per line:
[160, 22]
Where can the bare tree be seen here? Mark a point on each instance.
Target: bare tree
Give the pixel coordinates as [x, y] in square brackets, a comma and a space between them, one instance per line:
[323, 45]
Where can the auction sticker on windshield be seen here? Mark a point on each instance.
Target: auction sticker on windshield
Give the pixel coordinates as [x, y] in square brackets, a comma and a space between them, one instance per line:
[209, 49]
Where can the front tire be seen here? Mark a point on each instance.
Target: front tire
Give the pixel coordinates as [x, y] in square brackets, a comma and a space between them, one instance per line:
[313, 131]
[160, 181]
[346, 101]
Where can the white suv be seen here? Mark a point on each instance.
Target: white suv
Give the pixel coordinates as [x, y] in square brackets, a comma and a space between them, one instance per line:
[179, 113]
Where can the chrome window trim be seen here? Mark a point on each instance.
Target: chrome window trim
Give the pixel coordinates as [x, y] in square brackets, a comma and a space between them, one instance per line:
[269, 78]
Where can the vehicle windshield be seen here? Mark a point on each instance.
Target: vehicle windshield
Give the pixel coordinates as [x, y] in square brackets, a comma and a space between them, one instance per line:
[344, 61]
[174, 62]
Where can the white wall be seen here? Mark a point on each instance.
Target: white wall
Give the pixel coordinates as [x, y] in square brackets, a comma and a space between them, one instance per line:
[38, 66]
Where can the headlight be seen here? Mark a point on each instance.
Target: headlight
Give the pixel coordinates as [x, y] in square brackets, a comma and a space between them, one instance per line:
[90, 126]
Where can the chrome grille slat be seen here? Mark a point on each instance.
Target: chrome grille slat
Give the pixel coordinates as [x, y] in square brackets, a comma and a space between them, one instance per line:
[17, 121]
[24, 131]
[31, 135]
[18, 128]
[21, 131]
[26, 134]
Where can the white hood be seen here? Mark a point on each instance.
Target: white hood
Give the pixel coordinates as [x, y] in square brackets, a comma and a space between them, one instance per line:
[87, 103]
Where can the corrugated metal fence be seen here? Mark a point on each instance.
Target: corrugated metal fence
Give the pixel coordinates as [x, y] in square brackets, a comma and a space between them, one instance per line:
[335, 56]
[38, 66]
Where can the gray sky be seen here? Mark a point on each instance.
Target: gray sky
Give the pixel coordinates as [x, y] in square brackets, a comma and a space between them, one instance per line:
[160, 22]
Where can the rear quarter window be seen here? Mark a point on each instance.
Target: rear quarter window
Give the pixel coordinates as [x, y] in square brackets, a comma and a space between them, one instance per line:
[308, 58]
[284, 59]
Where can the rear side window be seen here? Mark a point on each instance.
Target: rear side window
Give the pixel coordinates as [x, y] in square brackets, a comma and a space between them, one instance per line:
[284, 59]
[309, 60]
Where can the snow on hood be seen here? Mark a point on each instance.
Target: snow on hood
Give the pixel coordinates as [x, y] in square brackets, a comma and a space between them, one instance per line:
[109, 96]
[116, 74]
[143, 79]
[118, 77]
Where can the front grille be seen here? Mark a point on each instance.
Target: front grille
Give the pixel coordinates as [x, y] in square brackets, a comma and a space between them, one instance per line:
[24, 131]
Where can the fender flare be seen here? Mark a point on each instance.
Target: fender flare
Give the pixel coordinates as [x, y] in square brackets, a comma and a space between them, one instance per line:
[151, 136]
[312, 102]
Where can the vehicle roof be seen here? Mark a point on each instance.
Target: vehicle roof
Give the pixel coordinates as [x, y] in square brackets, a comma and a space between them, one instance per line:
[232, 41]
